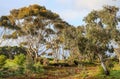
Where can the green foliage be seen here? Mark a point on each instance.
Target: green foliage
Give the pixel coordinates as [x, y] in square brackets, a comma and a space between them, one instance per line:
[29, 68]
[16, 63]
[2, 60]
[11, 51]
[40, 24]
[50, 59]
[20, 65]
[10, 64]
[101, 71]
[115, 74]
[38, 67]
[19, 59]
[11, 68]
[32, 67]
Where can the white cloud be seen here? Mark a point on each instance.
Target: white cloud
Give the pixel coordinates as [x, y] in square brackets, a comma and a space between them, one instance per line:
[77, 9]
[69, 10]
[95, 4]
[88, 4]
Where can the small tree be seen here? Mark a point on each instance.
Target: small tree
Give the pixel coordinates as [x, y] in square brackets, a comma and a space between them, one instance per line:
[2, 60]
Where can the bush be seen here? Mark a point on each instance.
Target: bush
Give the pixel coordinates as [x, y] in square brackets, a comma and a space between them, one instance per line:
[29, 68]
[32, 67]
[38, 67]
[11, 69]
[19, 59]
[19, 65]
[10, 64]
[50, 59]
[16, 63]
[2, 60]
[15, 66]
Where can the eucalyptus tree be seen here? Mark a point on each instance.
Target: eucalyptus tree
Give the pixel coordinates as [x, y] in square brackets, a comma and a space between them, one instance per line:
[33, 25]
[71, 37]
[57, 43]
[100, 28]
[95, 37]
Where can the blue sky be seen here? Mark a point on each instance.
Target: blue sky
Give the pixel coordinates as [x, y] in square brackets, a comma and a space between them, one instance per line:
[72, 11]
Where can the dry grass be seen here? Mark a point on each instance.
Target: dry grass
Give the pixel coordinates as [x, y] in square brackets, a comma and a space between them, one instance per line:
[73, 72]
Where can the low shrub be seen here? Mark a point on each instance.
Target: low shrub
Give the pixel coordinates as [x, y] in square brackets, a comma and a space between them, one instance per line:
[38, 67]
[10, 68]
[19, 65]
[10, 64]
[19, 59]
[28, 65]
[32, 67]
[2, 60]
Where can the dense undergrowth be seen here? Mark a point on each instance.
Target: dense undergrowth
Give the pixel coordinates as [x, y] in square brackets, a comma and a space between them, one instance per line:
[20, 65]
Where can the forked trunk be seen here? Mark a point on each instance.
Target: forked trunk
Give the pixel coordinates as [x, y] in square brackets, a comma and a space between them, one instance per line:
[103, 65]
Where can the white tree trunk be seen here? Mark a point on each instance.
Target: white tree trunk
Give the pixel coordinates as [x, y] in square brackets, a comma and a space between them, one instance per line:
[103, 64]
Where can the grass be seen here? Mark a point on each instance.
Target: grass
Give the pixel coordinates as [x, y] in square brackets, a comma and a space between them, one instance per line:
[114, 74]
[94, 73]
[72, 72]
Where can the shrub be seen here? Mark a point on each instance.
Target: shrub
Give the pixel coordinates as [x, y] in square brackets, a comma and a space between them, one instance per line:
[38, 67]
[19, 59]
[29, 68]
[10, 64]
[11, 68]
[32, 67]
[2, 60]
[50, 59]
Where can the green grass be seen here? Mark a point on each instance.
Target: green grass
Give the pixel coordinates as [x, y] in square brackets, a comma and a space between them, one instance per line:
[115, 74]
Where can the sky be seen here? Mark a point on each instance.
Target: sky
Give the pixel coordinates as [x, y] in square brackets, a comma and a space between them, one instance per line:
[72, 11]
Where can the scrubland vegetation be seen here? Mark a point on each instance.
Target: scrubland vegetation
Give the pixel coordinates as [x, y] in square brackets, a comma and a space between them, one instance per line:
[46, 47]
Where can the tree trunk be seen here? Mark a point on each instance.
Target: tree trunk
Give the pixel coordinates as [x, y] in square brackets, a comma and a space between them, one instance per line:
[119, 60]
[103, 65]
[36, 57]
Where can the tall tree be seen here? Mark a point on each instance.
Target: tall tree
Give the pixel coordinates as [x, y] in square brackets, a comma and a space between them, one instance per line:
[34, 25]
[95, 37]
[100, 28]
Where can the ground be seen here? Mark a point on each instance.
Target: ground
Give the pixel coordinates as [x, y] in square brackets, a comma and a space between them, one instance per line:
[73, 72]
